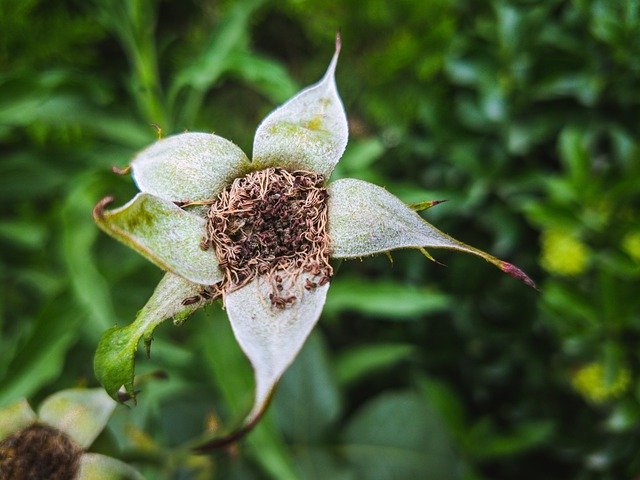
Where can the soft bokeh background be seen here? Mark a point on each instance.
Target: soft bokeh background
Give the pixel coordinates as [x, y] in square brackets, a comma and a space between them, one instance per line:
[523, 114]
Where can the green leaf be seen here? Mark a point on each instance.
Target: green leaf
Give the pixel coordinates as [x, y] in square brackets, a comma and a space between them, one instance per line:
[41, 358]
[114, 361]
[384, 299]
[267, 76]
[79, 235]
[307, 401]
[358, 362]
[397, 435]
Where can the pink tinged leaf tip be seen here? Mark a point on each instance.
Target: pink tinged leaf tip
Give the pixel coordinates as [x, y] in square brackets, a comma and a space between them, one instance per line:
[516, 273]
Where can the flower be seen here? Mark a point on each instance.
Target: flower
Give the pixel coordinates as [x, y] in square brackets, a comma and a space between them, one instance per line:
[52, 443]
[258, 233]
[595, 383]
[563, 254]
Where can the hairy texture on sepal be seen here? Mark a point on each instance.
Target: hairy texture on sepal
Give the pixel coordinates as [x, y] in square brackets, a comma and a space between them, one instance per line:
[188, 167]
[270, 337]
[365, 219]
[80, 413]
[94, 466]
[309, 132]
[114, 361]
[162, 232]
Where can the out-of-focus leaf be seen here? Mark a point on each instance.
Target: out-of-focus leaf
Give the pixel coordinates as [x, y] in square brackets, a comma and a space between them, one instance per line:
[41, 358]
[307, 402]
[357, 363]
[267, 76]
[483, 442]
[79, 236]
[383, 299]
[29, 235]
[214, 60]
[234, 379]
[397, 435]
[444, 401]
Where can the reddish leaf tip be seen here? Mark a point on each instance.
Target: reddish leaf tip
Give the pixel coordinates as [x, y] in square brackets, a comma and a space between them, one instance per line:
[98, 210]
[515, 272]
[338, 41]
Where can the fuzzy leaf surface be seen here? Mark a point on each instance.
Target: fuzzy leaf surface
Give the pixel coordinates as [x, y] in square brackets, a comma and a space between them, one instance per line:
[308, 132]
[80, 413]
[188, 167]
[163, 233]
[271, 337]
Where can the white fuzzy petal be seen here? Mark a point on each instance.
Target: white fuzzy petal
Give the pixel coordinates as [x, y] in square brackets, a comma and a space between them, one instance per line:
[189, 166]
[163, 233]
[269, 336]
[309, 132]
[80, 413]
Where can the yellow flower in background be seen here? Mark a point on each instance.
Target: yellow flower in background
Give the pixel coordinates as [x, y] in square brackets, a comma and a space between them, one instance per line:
[563, 254]
[631, 245]
[592, 383]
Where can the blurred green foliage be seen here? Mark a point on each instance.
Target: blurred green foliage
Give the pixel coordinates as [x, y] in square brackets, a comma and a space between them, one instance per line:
[523, 114]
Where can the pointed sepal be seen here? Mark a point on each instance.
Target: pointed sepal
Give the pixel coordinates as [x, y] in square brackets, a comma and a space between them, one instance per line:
[365, 219]
[79, 412]
[309, 132]
[114, 362]
[163, 233]
[188, 166]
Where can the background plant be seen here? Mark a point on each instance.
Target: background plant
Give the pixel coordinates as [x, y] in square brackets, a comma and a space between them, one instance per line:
[522, 114]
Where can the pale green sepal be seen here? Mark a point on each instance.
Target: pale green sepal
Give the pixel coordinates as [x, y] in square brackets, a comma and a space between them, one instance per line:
[14, 417]
[163, 233]
[272, 337]
[80, 413]
[309, 132]
[188, 167]
[365, 219]
[114, 361]
[94, 466]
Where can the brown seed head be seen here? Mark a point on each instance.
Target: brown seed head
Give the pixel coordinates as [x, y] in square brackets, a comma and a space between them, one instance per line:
[39, 452]
[272, 223]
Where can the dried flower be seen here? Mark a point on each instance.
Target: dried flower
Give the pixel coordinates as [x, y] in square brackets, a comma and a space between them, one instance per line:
[52, 443]
[257, 233]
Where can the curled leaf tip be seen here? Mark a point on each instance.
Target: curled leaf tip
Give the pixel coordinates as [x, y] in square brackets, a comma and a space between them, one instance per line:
[121, 171]
[515, 272]
[98, 210]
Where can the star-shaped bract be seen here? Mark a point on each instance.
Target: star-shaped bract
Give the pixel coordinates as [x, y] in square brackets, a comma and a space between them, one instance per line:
[309, 133]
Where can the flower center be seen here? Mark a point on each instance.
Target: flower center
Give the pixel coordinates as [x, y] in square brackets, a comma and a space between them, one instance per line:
[271, 223]
[39, 451]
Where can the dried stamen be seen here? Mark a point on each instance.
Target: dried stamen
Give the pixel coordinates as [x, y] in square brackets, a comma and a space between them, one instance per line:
[271, 223]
